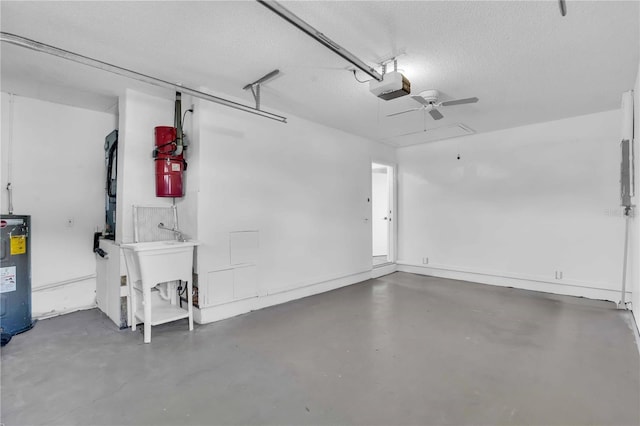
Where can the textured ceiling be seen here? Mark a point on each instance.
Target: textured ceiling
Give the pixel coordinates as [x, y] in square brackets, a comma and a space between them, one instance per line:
[524, 61]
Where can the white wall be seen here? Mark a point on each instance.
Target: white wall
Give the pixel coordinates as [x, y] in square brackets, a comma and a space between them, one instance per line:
[634, 249]
[139, 115]
[57, 173]
[300, 188]
[519, 205]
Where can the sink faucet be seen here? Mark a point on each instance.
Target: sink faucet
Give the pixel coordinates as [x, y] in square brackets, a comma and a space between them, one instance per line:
[179, 235]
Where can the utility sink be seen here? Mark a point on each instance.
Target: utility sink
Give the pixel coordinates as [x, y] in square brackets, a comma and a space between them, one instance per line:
[151, 263]
[160, 261]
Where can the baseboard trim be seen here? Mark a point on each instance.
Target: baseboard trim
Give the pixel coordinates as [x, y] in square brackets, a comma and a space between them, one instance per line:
[238, 307]
[382, 270]
[223, 311]
[63, 298]
[634, 324]
[53, 314]
[563, 287]
[50, 286]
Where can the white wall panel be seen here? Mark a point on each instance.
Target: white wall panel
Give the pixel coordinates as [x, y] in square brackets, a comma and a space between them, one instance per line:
[303, 187]
[523, 202]
[634, 241]
[58, 173]
[275, 206]
[140, 114]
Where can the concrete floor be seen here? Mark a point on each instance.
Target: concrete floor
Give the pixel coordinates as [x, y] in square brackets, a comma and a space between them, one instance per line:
[402, 349]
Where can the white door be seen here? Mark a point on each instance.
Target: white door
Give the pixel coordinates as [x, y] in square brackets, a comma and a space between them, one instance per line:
[380, 211]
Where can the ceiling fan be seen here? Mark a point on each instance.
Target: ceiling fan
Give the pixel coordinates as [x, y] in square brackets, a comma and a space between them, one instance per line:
[429, 101]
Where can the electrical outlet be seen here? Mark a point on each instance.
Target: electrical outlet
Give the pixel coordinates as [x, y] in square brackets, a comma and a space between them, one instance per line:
[425, 260]
[558, 275]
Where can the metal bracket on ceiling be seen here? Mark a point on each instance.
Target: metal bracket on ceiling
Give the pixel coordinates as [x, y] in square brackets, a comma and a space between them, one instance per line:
[388, 62]
[255, 86]
[105, 66]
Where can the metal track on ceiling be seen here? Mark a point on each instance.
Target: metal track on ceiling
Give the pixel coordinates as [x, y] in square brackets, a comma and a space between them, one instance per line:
[105, 66]
[312, 32]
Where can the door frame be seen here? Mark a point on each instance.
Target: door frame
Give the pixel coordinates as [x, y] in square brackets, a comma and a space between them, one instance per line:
[393, 205]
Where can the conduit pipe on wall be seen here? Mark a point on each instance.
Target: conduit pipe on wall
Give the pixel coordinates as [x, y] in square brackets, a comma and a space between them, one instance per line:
[177, 123]
[627, 183]
[623, 293]
[10, 157]
[63, 283]
[85, 60]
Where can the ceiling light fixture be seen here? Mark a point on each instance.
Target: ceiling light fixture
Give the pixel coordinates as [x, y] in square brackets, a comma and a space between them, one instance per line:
[85, 60]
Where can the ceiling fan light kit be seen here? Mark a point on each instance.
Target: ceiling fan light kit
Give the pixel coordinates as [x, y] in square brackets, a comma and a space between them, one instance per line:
[430, 103]
[428, 96]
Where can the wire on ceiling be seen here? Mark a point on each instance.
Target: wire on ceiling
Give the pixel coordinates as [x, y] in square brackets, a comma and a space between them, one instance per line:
[360, 81]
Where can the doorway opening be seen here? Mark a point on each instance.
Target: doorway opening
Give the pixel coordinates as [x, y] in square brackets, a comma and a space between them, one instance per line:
[381, 214]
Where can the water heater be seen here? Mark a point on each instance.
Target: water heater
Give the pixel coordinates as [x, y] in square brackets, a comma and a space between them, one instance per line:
[15, 274]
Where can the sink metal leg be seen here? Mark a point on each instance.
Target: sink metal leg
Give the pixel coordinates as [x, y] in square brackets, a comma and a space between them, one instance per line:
[133, 305]
[146, 299]
[190, 303]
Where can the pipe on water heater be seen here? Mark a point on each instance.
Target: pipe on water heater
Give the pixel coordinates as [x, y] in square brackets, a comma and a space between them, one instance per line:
[178, 124]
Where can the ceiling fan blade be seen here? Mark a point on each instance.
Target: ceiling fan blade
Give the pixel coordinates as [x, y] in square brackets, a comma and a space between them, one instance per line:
[460, 101]
[420, 99]
[436, 114]
[402, 112]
